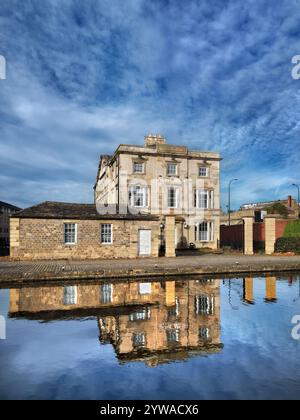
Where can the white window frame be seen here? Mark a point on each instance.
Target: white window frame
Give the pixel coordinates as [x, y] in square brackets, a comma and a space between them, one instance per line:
[74, 297]
[176, 198]
[103, 234]
[204, 199]
[204, 334]
[203, 168]
[132, 196]
[111, 293]
[174, 166]
[205, 305]
[75, 239]
[145, 288]
[138, 164]
[142, 342]
[199, 237]
[173, 333]
[142, 315]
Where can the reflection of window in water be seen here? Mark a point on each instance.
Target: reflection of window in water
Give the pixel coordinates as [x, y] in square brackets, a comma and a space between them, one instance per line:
[204, 334]
[204, 305]
[2, 328]
[139, 340]
[145, 288]
[173, 335]
[70, 295]
[174, 311]
[140, 315]
[106, 293]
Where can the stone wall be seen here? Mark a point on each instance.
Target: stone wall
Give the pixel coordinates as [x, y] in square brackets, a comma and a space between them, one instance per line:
[44, 239]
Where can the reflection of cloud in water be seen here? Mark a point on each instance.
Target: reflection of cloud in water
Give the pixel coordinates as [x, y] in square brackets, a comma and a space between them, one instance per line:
[178, 323]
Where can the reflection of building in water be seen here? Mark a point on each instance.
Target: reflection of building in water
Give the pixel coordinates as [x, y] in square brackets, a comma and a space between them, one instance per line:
[248, 290]
[271, 290]
[244, 290]
[186, 319]
[52, 301]
[151, 321]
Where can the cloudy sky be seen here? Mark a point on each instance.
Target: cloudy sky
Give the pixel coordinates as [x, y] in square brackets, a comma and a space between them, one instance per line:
[84, 76]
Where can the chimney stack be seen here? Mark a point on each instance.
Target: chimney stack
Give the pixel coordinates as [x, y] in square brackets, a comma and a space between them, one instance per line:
[152, 140]
[290, 201]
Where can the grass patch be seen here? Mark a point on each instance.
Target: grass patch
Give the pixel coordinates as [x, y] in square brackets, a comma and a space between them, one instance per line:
[292, 230]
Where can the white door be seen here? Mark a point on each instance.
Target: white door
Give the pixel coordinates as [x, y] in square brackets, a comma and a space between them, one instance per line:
[145, 243]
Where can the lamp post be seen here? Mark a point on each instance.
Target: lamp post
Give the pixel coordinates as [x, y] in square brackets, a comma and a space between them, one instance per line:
[298, 188]
[229, 199]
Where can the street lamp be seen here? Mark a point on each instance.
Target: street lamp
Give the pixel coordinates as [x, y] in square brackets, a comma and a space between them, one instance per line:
[229, 199]
[298, 188]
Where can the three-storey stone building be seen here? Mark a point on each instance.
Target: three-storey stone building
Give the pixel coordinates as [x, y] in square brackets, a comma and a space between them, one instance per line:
[147, 198]
[164, 180]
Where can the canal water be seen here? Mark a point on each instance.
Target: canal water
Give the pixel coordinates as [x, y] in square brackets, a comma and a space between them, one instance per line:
[156, 339]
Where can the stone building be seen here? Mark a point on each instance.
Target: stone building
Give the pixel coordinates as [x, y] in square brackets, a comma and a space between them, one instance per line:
[150, 321]
[6, 210]
[162, 180]
[77, 231]
[146, 199]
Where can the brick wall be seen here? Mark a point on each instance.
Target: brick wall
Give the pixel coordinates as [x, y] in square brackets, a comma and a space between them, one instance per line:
[44, 239]
[233, 235]
[280, 227]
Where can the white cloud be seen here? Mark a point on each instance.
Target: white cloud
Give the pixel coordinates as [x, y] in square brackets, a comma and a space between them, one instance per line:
[84, 77]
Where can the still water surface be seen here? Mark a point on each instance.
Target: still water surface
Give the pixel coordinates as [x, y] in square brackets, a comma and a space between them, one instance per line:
[183, 339]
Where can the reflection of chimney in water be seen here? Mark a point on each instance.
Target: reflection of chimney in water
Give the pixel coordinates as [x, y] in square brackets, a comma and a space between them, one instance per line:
[271, 294]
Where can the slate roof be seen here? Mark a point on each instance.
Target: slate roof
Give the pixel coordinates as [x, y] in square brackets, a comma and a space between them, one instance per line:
[9, 206]
[58, 210]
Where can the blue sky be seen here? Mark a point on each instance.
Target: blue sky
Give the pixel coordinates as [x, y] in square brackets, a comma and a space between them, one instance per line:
[84, 76]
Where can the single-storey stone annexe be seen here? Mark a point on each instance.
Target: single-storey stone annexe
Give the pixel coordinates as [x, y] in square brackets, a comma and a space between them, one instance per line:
[53, 230]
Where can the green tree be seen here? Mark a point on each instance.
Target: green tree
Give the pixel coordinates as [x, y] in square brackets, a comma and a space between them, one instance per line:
[277, 208]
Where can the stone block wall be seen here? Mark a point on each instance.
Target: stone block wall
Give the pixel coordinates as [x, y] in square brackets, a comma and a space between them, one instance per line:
[37, 239]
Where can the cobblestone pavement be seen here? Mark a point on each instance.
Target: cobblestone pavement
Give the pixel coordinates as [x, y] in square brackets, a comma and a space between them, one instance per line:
[207, 264]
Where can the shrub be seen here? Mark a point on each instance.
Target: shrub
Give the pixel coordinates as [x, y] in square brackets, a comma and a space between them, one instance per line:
[277, 208]
[288, 245]
[292, 230]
